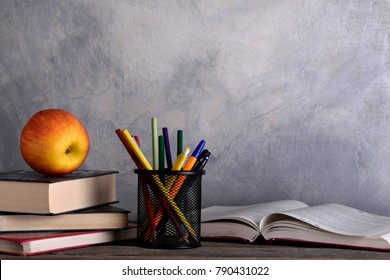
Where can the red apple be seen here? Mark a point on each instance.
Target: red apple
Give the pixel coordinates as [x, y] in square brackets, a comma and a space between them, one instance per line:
[54, 142]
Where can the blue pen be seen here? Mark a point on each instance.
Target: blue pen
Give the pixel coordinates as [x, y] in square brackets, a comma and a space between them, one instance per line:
[194, 157]
[167, 148]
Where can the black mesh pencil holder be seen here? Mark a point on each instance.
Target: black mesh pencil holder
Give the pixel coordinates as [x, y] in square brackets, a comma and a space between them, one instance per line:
[169, 207]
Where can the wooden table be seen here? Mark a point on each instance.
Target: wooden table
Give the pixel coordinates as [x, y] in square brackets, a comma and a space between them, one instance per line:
[127, 250]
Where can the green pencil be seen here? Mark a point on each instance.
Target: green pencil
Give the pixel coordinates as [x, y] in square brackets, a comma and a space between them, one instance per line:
[155, 143]
[179, 142]
[161, 154]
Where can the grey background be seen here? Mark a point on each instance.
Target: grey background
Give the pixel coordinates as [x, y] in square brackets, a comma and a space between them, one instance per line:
[292, 97]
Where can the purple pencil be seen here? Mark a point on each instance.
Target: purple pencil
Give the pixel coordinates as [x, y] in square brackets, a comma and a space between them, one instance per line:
[167, 147]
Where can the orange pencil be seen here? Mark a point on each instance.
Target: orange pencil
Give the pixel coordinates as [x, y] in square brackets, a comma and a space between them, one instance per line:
[187, 167]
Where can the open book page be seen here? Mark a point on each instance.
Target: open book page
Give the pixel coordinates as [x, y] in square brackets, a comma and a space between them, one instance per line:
[249, 214]
[339, 219]
[228, 230]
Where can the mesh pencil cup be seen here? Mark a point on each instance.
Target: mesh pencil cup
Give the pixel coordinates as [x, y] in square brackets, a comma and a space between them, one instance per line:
[169, 206]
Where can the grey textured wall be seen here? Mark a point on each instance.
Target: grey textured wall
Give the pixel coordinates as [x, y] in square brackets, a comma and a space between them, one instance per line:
[291, 96]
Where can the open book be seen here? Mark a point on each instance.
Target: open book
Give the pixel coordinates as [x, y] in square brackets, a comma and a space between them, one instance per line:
[294, 221]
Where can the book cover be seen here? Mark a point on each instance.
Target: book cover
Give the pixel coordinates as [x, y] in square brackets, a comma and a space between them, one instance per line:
[105, 217]
[26, 191]
[34, 243]
[29, 175]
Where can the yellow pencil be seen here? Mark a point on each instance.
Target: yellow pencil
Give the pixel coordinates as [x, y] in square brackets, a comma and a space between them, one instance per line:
[177, 165]
[174, 206]
[145, 163]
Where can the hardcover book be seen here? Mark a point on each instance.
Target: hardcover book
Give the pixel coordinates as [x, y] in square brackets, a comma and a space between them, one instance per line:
[26, 191]
[296, 222]
[33, 243]
[105, 217]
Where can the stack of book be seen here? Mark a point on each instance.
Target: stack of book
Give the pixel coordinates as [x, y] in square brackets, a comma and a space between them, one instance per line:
[40, 214]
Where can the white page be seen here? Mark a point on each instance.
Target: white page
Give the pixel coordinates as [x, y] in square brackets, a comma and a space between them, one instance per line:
[249, 213]
[342, 219]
